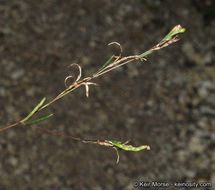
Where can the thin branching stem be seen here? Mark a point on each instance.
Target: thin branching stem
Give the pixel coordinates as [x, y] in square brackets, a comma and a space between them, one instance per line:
[112, 63]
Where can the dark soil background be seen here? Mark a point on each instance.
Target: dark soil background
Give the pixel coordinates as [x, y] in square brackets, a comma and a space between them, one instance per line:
[167, 102]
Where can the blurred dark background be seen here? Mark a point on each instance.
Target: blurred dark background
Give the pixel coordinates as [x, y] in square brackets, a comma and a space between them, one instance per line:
[167, 102]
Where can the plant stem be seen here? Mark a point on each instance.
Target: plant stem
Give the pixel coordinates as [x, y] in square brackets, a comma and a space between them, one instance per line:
[112, 63]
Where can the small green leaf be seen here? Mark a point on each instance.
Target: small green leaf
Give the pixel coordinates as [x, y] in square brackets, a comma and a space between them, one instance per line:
[39, 120]
[106, 64]
[129, 147]
[35, 109]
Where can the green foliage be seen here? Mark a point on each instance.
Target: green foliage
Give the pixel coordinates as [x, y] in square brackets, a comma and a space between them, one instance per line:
[35, 109]
[126, 147]
[38, 120]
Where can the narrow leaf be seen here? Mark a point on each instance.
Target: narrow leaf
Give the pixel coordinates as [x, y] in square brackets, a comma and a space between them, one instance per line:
[39, 120]
[106, 64]
[35, 109]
